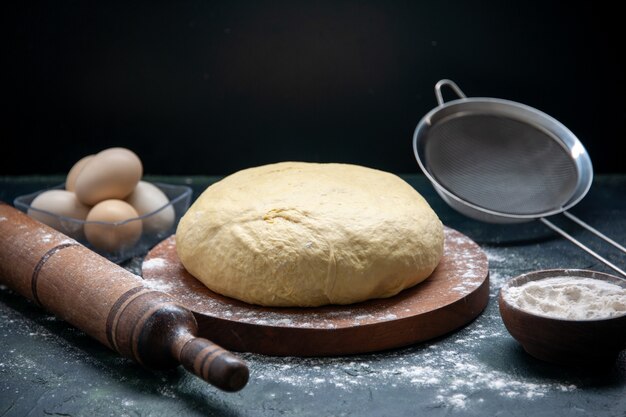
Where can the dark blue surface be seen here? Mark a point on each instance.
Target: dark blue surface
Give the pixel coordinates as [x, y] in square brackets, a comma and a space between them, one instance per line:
[49, 368]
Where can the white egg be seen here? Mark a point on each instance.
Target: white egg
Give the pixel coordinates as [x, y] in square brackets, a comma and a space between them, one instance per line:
[61, 210]
[148, 198]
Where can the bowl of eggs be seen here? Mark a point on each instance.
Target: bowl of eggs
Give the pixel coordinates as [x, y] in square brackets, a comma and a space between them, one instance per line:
[567, 316]
[105, 205]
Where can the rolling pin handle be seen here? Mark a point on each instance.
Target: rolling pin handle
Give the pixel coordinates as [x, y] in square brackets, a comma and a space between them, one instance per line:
[214, 364]
[159, 333]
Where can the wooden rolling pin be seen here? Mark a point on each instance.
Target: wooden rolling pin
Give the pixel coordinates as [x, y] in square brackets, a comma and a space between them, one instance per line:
[108, 302]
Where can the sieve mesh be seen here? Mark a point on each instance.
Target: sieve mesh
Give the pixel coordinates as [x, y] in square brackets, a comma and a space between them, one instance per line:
[500, 164]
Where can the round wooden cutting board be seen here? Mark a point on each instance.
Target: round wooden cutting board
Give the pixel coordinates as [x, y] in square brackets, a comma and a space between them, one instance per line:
[456, 292]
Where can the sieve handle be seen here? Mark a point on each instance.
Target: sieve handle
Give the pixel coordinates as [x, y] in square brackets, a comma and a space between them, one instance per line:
[450, 84]
[581, 246]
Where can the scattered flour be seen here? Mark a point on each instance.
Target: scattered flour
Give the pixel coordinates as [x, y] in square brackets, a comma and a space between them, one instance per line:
[570, 298]
[158, 285]
[496, 279]
[494, 257]
[500, 260]
[451, 370]
[154, 263]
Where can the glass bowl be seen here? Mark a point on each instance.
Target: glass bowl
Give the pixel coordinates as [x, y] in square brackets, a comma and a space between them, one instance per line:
[179, 197]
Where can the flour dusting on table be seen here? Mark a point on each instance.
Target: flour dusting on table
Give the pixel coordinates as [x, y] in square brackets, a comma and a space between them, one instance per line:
[449, 368]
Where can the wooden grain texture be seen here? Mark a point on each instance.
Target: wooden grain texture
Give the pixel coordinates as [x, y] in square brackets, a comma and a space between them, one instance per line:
[451, 297]
[108, 302]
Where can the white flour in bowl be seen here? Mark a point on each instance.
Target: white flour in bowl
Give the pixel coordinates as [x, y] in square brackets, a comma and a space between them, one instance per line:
[570, 298]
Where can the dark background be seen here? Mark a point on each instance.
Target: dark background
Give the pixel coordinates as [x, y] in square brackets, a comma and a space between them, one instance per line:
[206, 87]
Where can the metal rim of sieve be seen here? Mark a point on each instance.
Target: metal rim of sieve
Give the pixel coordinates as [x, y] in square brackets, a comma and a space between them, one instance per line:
[481, 203]
[543, 127]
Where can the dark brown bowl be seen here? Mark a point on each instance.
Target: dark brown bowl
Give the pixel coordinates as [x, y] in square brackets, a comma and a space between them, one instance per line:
[566, 342]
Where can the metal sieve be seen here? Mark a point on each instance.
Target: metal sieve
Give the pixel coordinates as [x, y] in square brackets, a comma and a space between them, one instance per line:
[499, 161]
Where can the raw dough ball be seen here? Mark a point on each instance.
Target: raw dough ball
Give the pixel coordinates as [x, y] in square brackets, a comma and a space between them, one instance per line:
[306, 234]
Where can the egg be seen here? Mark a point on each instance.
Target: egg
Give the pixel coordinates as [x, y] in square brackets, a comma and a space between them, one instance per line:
[70, 181]
[111, 174]
[148, 198]
[49, 205]
[117, 236]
